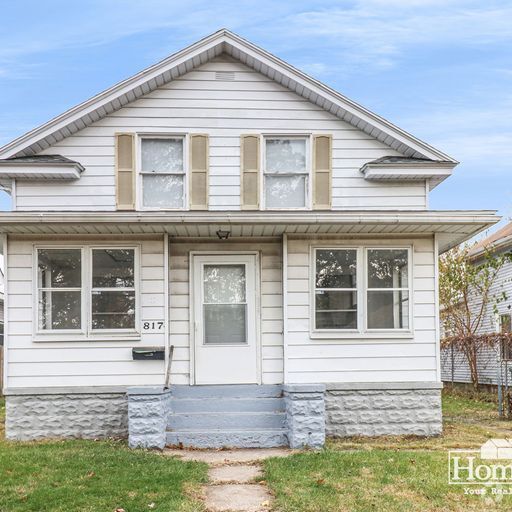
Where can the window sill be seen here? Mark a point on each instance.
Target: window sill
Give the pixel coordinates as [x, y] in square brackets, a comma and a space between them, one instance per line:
[51, 338]
[374, 335]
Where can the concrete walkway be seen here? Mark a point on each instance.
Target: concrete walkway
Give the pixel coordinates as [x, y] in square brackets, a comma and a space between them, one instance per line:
[234, 478]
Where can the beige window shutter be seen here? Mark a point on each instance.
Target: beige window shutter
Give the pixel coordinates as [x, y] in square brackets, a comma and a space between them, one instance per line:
[250, 172]
[322, 172]
[125, 171]
[199, 161]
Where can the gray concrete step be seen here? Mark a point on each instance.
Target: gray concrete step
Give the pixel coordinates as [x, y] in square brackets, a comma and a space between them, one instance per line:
[229, 420]
[228, 391]
[260, 404]
[258, 438]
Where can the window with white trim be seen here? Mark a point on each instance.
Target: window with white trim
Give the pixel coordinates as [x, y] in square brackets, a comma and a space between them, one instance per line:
[87, 289]
[162, 169]
[286, 172]
[59, 289]
[113, 289]
[387, 292]
[344, 300]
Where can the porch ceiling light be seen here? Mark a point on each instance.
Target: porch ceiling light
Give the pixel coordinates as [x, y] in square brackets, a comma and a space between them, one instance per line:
[223, 234]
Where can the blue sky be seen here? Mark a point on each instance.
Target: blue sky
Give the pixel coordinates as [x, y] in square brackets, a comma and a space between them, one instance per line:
[439, 69]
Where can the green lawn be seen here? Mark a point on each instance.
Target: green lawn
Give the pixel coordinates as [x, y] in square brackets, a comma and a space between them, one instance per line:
[94, 476]
[390, 474]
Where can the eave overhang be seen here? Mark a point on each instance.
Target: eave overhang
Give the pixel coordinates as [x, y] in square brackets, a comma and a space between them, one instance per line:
[34, 170]
[432, 171]
[450, 227]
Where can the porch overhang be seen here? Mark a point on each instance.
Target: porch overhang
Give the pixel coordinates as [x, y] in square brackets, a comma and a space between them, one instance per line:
[451, 227]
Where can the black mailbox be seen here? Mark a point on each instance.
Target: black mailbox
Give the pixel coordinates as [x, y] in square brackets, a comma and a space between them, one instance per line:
[149, 353]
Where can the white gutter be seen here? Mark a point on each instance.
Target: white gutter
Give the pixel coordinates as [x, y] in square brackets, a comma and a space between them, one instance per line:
[334, 217]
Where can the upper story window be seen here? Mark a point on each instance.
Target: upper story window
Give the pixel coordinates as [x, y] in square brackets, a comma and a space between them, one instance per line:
[286, 172]
[361, 289]
[86, 289]
[162, 169]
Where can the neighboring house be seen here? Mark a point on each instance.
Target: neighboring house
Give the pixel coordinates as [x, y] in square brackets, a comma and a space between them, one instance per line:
[454, 367]
[273, 232]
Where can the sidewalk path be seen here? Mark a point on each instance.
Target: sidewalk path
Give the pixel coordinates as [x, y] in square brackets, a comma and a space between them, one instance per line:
[234, 478]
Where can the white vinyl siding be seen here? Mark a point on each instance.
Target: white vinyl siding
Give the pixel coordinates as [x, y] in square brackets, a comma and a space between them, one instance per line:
[271, 322]
[198, 103]
[367, 357]
[106, 361]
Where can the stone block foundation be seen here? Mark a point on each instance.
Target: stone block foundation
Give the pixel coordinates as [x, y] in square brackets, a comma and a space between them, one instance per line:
[69, 415]
[383, 409]
[305, 415]
[148, 413]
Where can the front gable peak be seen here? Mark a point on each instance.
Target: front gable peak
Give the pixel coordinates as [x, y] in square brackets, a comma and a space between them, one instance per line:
[184, 61]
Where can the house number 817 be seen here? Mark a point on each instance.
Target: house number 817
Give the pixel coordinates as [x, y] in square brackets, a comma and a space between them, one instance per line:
[152, 326]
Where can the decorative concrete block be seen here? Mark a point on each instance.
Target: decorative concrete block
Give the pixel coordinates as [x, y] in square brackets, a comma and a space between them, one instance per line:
[388, 409]
[305, 415]
[85, 416]
[148, 414]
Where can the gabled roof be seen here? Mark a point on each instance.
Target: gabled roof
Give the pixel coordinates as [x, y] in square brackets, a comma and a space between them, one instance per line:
[500, 240]
[197, 54]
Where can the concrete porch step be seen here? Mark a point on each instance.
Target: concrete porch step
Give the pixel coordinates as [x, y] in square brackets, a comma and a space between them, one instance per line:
[257, 438]
[228, 391]
[260, 404]
[229, 420]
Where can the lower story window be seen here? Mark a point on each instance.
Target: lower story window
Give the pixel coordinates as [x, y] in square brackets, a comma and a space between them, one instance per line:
[344, 300]
[86, 289]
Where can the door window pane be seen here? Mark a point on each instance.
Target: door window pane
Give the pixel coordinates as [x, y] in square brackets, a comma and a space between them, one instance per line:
[285, 155]
[387, 268]
[388, 309]
[162, 191]
[224, 284]
[225, 323]
[60, 309]
[285, 191]
[225, 308]
[162, 155]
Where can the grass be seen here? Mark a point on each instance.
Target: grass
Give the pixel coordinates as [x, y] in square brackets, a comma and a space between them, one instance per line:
[94, 476]
[391, 474]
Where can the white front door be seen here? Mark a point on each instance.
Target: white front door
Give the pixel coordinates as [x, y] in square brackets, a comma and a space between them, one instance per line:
[225, 329]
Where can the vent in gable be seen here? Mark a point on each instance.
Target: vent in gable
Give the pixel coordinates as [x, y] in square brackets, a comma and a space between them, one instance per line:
[225, 76]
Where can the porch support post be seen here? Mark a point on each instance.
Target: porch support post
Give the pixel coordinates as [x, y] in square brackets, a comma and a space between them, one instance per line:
[148, 412]
[305, 415]
[285, 307]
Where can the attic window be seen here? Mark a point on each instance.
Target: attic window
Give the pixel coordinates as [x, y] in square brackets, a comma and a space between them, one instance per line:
[225, 76]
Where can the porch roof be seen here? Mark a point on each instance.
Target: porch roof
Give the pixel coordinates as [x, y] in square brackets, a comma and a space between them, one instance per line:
[452, 227]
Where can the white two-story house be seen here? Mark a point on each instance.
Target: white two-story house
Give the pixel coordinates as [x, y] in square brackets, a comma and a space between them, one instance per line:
[223, 251]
